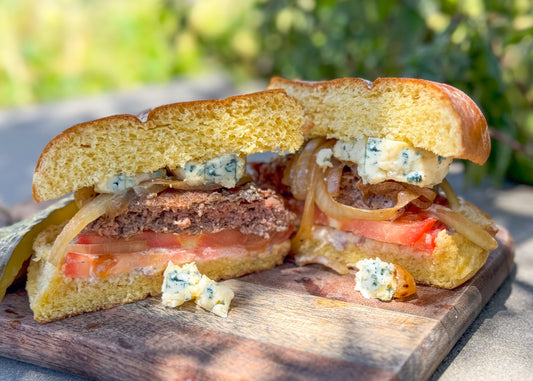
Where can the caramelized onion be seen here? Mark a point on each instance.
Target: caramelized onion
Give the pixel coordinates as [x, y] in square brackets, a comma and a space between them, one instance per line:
[422, 203]
[148, 189]
[475, 214]
[464, 226]
[89, 212]
[287, 173]
[308, 215]
[308, 175]
[117, 247]
[387, 188]
[342, 212]
[119, 204]
[183, 185]
[333, 179]
[427, 193]
[450, 194]
[83, 194]
[300, 172]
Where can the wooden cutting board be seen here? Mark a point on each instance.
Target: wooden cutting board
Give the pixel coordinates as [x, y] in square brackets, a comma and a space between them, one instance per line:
[287, 323]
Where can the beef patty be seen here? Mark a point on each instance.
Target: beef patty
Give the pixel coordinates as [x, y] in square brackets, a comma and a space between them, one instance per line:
[249, 209]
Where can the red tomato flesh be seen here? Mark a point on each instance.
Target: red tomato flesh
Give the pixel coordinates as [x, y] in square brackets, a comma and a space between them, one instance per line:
[411, 229]
[85, 263]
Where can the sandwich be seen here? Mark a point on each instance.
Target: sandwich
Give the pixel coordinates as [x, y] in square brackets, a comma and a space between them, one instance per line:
[169, 185]
[370, 180]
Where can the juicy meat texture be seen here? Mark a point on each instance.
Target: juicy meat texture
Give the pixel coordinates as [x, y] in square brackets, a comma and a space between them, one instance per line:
[249, 209]
[351, 192]
[354, 193]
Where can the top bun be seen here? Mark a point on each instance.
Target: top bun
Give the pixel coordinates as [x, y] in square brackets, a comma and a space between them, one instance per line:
[429, 115]
[168, 136]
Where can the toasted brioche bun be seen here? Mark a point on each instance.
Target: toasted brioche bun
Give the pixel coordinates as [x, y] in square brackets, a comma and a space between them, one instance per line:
[429, 115]
[453, 261]
[53, 296]
[171, 135]
[406, 284]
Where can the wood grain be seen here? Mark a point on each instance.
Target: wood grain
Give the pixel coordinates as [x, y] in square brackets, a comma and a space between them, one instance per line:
[287, 323]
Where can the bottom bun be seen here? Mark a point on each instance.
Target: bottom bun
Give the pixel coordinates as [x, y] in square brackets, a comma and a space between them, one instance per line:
[53, 296]
[454, 260]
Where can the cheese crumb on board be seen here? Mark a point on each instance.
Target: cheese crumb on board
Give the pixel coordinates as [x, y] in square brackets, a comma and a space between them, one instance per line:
[214, 297]
[184, 283]
[375, 279]
[179, 284]
[382, 280]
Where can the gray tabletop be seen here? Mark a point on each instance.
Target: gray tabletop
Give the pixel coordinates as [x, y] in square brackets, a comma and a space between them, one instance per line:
[498, 344]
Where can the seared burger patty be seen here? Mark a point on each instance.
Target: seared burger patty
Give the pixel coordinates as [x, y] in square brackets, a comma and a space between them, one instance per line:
[249, 209]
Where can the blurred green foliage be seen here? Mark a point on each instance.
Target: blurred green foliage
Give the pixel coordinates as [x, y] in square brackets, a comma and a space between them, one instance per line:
[52, 49]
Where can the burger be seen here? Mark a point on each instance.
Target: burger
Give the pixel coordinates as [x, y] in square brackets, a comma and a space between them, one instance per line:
[370, 179]
[169, 185]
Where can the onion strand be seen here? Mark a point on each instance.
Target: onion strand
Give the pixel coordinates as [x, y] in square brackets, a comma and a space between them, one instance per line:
[450, 194]
[89, 212]
[341, 212]
[117, 247]
[300, 172]
[464, 226]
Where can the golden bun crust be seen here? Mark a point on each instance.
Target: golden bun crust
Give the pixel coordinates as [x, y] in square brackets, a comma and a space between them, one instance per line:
[53, 296]
[406, 284]
[429, 115]
[454, 260]
[171, 135]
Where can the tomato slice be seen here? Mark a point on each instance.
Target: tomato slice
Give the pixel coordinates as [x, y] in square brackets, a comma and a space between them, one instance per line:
[412, 229]
[81, 265]
[426, 243]
[171, 240]
[83, 262]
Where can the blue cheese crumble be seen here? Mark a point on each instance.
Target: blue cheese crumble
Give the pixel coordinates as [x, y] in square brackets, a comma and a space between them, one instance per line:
[225, 170]
[376, 279]
[184, 283]
[179, 284]
[323, 157]
[384, 159]
[214, 297]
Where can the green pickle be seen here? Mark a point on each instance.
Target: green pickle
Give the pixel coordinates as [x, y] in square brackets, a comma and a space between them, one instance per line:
[16, 240]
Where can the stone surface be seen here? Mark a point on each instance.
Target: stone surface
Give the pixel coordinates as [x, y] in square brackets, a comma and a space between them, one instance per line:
[5, 215]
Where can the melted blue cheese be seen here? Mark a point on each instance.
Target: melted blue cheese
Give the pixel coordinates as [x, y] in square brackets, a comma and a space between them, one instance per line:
[122, 182]
[383, 159]
[225, 170]
[376, 279]
[184, 283]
